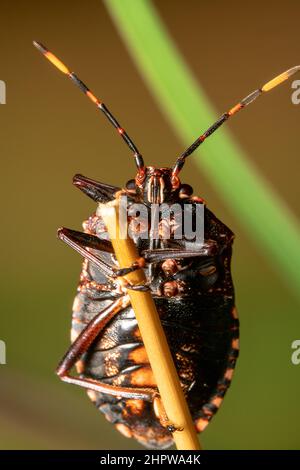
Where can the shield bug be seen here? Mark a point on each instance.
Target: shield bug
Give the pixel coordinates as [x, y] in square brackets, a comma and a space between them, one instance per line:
[191, 285]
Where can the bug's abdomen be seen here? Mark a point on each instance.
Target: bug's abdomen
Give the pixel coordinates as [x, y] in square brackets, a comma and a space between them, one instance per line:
[203, 341]
[119, 358]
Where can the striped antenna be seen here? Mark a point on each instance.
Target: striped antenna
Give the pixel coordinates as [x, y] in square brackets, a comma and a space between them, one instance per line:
[61, 66]
[242, 104]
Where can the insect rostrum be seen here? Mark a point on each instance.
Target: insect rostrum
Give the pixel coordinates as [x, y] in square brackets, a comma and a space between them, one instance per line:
[191, 285]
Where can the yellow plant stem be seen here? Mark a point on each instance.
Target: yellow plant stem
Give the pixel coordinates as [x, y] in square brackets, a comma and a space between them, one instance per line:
[153, 336]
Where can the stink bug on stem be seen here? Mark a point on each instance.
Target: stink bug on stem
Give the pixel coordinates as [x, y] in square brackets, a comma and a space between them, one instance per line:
[191, 285]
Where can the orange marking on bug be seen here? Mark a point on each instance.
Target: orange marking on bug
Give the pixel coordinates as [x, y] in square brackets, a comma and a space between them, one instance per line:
[74, 335]
[208, 412]
[235, 109]
[235, 343]
[143, 377]
[201, 424]
[139, 355]
[92, 97]
[234, 312]
[198, 199]
[92, 395]
[137, 333]
[217, 401]
[228, 374]
[123, 429]
[135, 407]
[79, 366]
[56, 62]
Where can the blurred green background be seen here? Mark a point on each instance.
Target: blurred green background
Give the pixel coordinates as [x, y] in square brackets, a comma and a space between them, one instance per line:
[49, 132]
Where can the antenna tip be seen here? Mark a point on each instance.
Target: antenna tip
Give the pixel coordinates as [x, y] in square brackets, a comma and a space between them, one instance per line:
[40, 47]
[280, 78]
[51, 57]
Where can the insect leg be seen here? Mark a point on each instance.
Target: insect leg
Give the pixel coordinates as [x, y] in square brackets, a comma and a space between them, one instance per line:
[156, 255]
[139, 287]
[99, 192]
[161, 414]
[138, 264]
[75, 241]
[82, 344]
[161, 254]
[87, 240]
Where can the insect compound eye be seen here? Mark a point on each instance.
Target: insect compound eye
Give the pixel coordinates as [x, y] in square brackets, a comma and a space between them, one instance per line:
[130, 185]
[185, 190]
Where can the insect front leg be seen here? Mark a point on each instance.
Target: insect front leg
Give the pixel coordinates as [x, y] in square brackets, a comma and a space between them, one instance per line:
[81, 241]
[137, 264]
[82, 344]
[155, 255]
[99, 192]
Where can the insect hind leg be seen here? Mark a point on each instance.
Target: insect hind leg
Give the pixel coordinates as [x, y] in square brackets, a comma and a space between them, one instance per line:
[82, 344]
[161, 414]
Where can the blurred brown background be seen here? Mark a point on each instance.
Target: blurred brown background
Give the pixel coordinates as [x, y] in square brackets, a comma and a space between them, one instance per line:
[49, 132]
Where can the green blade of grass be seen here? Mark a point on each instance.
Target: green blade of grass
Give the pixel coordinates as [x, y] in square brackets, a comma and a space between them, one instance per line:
[266, 217]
